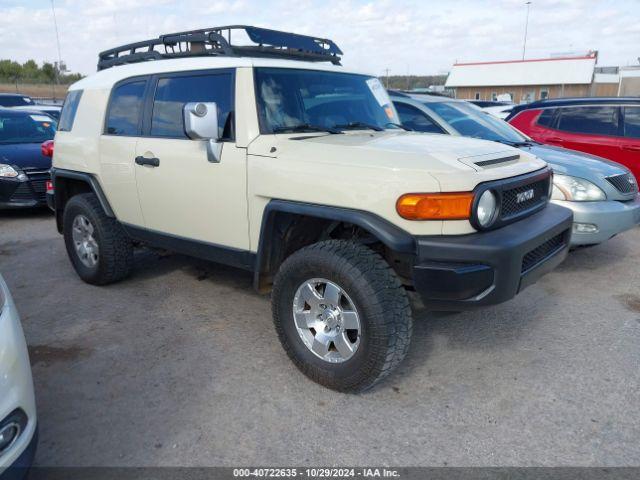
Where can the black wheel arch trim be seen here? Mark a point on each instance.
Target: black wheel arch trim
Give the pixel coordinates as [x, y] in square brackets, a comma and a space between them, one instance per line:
[87, 178]
[392, 236]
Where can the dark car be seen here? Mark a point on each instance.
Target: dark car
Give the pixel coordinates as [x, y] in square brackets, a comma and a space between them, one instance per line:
[15, 100]
[24, 168]
[607, 127]
[489, 103]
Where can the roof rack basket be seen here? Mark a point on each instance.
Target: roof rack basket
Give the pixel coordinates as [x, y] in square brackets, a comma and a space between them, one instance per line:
[216, 41]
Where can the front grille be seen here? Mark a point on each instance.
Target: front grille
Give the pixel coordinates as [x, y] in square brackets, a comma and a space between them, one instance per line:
[542, 252]
[22, 193]
[624, 183]
[40, 189]
[516, 200]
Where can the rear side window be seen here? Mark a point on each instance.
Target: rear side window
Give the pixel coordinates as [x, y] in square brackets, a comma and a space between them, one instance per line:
[546, 117]
[69, 109]
[632, 122]
[172, 93]
[125, 108]
[589, 120]
[413, 118]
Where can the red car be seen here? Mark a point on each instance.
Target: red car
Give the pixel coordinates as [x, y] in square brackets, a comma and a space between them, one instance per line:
[607, 127]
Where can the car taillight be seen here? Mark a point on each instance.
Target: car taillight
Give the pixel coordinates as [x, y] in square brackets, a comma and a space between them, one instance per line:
[49, 186]
[47, 148]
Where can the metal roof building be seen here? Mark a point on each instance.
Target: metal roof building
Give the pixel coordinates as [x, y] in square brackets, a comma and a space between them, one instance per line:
[526, 80]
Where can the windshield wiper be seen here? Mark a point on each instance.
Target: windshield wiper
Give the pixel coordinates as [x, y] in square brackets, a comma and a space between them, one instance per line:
[399, 125]
[358, 126]
[524, 143]
[305, 127]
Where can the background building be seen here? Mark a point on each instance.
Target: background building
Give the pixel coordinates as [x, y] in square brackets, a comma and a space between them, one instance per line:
[537, 79]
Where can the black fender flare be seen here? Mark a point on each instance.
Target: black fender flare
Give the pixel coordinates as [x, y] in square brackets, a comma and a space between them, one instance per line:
[88, 178]
[392, 236]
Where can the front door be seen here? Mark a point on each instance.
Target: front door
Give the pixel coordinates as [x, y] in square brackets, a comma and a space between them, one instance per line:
[182, 193]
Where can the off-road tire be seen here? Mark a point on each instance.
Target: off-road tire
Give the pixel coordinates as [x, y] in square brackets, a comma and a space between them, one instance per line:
[378, 296]
[115, 258]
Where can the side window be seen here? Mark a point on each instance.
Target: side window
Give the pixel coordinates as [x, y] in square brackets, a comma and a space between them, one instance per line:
[413, 118]
[589, 120]
[172, 93]
[123, 117]
[632, 122]
[69, 109]
[546, 117]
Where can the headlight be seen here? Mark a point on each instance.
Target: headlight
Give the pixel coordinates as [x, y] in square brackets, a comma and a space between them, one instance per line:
[574, 189]
[7, 171]
[486, 209]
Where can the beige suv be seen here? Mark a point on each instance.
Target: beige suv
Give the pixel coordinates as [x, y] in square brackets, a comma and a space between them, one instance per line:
[267, 155]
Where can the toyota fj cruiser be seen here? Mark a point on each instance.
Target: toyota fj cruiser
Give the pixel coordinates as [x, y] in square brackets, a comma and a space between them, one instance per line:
[267, 155]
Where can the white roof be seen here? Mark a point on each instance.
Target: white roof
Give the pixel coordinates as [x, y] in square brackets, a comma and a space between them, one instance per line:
[107, 77]
[547, 71]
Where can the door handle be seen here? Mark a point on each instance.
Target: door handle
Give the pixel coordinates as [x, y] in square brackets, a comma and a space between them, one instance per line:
[152, 162]
[631, 148]
[555, 139]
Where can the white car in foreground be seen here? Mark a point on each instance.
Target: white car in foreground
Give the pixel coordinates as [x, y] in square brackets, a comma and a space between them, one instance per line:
[18, 422]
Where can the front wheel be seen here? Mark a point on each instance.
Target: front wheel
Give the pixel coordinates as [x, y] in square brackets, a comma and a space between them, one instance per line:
[341, 314]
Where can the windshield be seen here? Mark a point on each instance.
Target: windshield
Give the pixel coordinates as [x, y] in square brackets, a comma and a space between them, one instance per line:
[15, 101]
[316, 100]
[26, 127]
[470, 121]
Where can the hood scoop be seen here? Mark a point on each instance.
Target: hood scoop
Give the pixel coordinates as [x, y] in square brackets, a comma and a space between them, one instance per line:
[492, 160]
[496, 161]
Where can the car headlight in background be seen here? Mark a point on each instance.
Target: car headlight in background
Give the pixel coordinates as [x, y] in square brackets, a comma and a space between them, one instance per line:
[574, 189]
[486, 209]
[8, 171]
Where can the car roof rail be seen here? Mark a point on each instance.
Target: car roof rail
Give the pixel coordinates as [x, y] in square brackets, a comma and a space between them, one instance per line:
[216, 41]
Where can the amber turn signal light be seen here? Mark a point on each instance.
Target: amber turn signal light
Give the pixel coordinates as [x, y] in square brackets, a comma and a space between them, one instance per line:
[435, 206]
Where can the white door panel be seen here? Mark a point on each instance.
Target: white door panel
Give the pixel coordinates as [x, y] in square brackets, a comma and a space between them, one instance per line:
[190, 197]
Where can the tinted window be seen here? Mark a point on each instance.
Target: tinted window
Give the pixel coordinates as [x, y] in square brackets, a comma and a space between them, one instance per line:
[590, 120]
[125, 108]
[289, 98]
[25, 127]
[172, 93]
[470, 121]
[413, 118]
[546, 117]
[632, 122]
[69, 109]
[15, 101]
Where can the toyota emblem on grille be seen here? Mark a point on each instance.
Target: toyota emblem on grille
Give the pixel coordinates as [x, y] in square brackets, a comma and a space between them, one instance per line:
[524, 196]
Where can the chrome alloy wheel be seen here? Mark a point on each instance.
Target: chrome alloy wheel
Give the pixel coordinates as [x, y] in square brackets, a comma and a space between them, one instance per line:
[86, 246]
[327, 320]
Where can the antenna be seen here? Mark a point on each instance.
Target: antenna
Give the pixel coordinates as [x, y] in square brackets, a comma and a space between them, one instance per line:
[55, 24]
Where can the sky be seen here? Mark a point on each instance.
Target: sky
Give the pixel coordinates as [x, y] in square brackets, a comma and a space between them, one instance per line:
[405, 36]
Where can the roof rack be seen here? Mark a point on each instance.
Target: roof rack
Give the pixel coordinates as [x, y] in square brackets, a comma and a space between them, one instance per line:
[216, 41]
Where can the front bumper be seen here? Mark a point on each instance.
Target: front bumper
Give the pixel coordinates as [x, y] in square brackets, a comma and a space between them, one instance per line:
[18, 470]
[610, 218]
[27, 193]
[468, 271]
[16, 384]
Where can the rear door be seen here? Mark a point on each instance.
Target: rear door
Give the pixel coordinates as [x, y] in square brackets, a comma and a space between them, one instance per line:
[593, 129]
[630, 146]
[123, 125]
[186, 195]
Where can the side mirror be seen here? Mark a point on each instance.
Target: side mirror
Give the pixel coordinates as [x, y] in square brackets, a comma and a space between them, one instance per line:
[201, 123]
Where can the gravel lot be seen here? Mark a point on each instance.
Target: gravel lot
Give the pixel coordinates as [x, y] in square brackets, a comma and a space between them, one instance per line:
[180, 365]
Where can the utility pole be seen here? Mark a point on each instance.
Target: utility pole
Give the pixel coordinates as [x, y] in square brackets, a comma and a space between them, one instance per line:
[526, 27]
[386, 70]
[57, 70]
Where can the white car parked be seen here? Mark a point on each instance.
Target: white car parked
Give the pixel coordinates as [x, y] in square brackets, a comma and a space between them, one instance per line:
[18, 422]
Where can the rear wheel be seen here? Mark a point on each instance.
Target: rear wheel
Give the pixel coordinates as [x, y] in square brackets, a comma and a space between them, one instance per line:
[98, 247]
[341, 314]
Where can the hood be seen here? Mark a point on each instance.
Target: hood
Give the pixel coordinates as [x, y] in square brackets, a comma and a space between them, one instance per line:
[446, 158]
[24, 155]
[577, 164]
